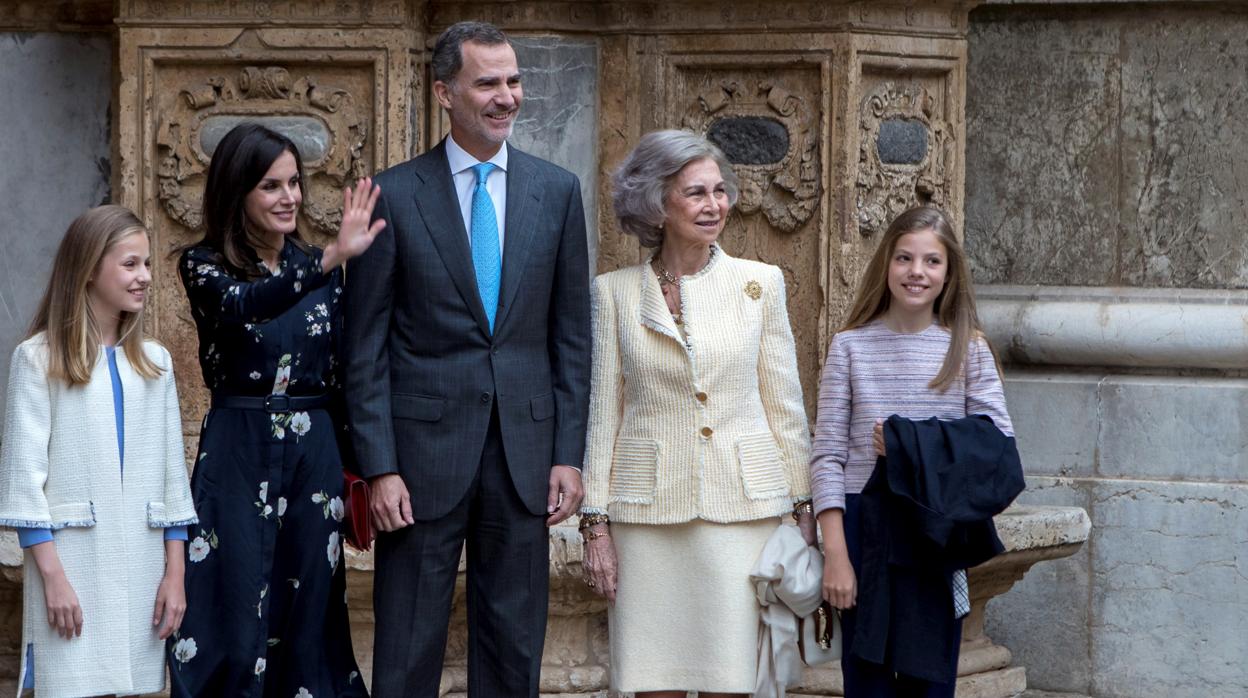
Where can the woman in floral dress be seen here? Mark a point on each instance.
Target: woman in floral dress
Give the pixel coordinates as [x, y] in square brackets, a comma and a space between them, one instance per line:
[265, 579]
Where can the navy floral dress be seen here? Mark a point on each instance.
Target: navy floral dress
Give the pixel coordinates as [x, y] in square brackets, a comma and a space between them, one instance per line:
[265, 576]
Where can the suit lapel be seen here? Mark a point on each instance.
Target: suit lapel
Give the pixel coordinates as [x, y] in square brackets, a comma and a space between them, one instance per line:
[523, 198]
[439, 207]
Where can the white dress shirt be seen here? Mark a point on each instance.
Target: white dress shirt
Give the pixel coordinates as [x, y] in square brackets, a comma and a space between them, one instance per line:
[466, 181]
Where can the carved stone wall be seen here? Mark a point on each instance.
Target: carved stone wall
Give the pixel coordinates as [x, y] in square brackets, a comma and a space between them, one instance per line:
[189, 73]
[828, 109]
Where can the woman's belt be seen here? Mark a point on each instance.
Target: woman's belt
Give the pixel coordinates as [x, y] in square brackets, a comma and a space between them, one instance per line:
[270, 403]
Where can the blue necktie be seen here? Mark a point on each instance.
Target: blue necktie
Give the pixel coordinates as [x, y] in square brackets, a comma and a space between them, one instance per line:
[486, 257]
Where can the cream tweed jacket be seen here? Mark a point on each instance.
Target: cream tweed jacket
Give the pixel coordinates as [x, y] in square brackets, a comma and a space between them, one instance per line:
[710, 426]
[60, 469]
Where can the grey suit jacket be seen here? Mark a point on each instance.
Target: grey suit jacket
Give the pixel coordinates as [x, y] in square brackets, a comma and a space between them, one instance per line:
[422, 369]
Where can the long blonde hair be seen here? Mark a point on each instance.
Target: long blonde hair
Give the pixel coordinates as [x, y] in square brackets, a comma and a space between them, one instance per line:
[954, 307]
[64, 314]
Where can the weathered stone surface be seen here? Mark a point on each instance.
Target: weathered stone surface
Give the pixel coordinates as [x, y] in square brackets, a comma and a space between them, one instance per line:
[902, 141]
[1088, 425]
[1056, 421]
[1044, 618]
[1155, 604]
[750, 140]
[1106, 148]
[558, 120]
[1169, 592]
[1174, 428]
[1041, 123]
[1121, 328]
[1184, 149]
[55, 143]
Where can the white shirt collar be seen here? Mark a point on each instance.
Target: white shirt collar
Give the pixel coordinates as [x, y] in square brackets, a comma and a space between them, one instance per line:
[461, 160]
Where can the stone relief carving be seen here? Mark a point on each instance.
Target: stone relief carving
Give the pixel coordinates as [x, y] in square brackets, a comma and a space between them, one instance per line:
[909, 173]
[786, 190]
[326, 120]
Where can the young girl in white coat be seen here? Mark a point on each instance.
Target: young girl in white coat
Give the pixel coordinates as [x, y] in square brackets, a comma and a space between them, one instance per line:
[92, 472]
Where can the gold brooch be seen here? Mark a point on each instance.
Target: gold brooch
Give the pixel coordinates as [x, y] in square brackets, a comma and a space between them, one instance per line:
[753, 289]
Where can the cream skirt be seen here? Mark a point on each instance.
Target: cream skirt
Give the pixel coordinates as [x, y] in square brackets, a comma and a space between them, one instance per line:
[685, 616]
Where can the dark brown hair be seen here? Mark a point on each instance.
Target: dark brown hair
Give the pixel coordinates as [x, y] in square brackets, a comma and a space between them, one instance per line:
[238, 164]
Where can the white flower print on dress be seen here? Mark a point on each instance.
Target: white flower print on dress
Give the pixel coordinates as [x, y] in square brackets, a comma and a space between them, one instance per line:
[336, 508]
[261, 663]
[333, 551]
[282, 379]
[185, 650]
[277, 422]
[281, 506]
[314, 330]
[198, 549]
[300, 423]
[254, 375]
[263, 503]
[303, 693]
[322, 310]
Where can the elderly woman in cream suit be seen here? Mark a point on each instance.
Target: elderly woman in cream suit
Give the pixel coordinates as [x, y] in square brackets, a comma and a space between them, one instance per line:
[697, 441]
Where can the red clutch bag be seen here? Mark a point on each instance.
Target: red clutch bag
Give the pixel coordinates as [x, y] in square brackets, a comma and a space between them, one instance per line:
[357, 527]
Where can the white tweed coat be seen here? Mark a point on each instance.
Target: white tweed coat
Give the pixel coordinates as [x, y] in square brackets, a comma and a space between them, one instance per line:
[708, 427]
[60, 469]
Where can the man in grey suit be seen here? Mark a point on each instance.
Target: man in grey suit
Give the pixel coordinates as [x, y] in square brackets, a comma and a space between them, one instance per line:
[467, 374]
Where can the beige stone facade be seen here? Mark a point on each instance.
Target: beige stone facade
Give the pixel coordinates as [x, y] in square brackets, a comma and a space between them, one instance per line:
[863, 102]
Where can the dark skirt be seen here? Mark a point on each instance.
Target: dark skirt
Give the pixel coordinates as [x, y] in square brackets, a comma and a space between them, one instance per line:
[265, 574]
[865, 679]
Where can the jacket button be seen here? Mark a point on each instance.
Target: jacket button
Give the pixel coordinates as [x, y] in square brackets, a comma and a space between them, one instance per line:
[706, 431]
[485, 398]
[700, 396]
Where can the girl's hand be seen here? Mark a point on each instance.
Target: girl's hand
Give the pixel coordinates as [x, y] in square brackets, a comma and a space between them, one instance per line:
[355, 234]
[877, 437]
[600, 563]
[840, 587]
[170, 604]
[64, 613]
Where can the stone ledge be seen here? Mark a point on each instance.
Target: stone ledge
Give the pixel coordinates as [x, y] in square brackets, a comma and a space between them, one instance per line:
[1117, 327]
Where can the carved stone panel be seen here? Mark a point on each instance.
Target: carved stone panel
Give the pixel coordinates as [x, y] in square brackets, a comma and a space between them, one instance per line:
[319, 112]
[342, 94]
[770, 135]
[905, 152]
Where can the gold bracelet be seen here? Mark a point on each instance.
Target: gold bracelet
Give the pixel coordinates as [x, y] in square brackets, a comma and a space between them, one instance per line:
[594, 519]
[587, 536]
[805, 507]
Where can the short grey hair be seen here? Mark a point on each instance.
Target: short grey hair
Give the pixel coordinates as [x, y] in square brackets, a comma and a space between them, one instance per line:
[641, 183]
[448, 54]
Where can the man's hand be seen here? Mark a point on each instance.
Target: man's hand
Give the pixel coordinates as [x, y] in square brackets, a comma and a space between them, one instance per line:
[390, 503]
[565, 493]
